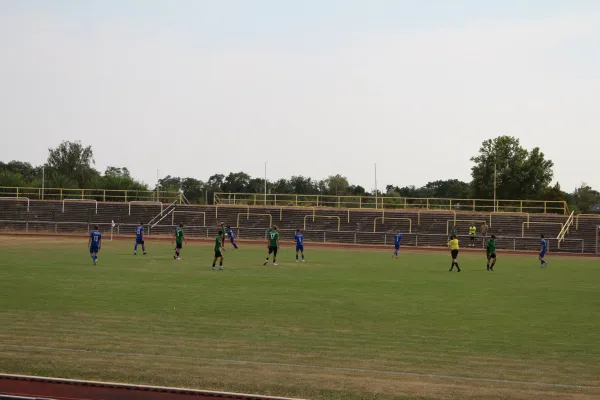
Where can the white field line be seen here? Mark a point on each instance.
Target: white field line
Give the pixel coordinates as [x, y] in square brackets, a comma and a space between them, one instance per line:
[308, 366]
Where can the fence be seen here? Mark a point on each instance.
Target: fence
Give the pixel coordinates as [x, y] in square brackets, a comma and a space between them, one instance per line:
[389, 202]
[90, 194]
[314, 236]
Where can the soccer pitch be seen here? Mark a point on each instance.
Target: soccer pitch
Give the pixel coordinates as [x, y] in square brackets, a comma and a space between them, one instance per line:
[347, 324]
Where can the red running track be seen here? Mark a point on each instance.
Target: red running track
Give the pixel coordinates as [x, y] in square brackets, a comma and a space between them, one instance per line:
[67, 389]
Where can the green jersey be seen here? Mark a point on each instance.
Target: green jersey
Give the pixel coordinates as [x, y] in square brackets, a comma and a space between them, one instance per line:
[452, 232]
[178, 235]
[218, 243]
[273, 238]
[491, 246]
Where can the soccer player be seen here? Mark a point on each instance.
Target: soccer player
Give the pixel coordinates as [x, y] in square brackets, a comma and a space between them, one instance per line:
[231, 237]
[397, 240]
[452, 232]
[179, 239]
[453, 246]
[95, 243]
[299, 238]
[472, 232]
[218, 254]
[139, 239]
[490, 250]
[543, 249]
[222, 233]
[273, 245]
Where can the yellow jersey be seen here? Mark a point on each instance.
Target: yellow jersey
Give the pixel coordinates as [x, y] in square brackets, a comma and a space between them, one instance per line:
[472, 230]
[453, 244]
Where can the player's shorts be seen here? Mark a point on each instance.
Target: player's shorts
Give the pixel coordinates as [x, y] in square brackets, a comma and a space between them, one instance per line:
[178, 245]
[300, 248]
[542, 254]
[139, 241]
[94, 249]
[231, 239]
[397, 248]
[218, 254]
[493, 255]
[454, 253]
[273, 249]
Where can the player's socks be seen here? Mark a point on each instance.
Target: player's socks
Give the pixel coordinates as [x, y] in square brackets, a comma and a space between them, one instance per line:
[266, 261]
[457, 267]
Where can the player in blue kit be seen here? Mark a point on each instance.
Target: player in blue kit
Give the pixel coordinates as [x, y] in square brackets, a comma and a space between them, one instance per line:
[95, 243]
[231, 237]
[299, 238]
[397, 241]
[139, 239]
[543, 250]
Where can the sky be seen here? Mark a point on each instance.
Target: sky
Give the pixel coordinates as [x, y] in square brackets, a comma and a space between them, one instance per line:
[311, 87]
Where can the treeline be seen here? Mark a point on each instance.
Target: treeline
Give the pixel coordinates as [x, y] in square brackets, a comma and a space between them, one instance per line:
[519, 173]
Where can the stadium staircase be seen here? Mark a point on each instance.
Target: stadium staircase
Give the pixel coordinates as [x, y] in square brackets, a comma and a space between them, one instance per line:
[365, 226]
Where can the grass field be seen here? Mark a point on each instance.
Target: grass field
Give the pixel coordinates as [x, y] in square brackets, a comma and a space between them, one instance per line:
[347, 324]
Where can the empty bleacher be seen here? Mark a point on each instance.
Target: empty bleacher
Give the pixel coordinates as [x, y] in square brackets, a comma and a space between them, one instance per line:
[518, 231]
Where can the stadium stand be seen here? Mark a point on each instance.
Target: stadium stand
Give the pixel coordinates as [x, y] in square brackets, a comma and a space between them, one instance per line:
[518, 231]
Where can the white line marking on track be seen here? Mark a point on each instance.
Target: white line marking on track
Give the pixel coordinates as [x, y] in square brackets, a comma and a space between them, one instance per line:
[308, 366]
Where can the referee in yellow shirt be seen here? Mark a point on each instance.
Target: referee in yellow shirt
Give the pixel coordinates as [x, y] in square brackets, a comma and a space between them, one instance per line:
[453, 246]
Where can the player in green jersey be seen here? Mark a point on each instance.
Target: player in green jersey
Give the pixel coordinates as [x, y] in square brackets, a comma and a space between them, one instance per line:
[453, 232]
[218, 248]
[222, 232]
[273, 246]
[179, 239]
[490, 249]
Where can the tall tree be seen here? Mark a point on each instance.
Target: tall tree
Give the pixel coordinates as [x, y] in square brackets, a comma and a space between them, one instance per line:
[585, 198]
[236, 182]
[74, 161]
[521, 174]
[337, 185]
[193, 190]
[450, 189]
[302, 185]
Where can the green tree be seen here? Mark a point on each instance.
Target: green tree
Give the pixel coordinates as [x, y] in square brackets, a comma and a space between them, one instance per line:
[193, 190]
[521, 174]
[75, 162]
[337, 185]
[585, 197]
[236, 182]
[449, 189]
[282, 186]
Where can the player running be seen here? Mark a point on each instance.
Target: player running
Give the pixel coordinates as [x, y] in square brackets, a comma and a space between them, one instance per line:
[273, 245]
[490, 250]
[299, 238]
[453, 246]
[397, 241]
[218, 254]
[179, 239]
[231, 237]
[95, 243]
[139, 239]
[543, 250]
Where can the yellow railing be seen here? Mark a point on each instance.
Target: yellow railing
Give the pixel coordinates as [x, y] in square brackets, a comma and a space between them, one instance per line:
[388, 202]
[90, 194]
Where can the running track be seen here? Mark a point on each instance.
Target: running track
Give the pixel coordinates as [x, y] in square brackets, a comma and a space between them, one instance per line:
[42, 388]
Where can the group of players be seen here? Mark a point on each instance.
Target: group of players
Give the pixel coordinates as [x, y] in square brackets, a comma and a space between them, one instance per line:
[95, 243]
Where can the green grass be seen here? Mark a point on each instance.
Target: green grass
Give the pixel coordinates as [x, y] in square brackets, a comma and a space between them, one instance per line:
[340, 326]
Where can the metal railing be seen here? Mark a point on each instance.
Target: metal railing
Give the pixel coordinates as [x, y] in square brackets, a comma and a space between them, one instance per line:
[35, 193]
[390, 202]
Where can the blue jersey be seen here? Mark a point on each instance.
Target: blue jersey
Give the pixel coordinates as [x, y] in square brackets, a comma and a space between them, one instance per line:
[397, 240]
[230, 234]
[299, 238]
[95, 236]
[139, 232]
[544, 245]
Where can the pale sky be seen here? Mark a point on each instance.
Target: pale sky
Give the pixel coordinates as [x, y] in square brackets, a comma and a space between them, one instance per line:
[313, 87]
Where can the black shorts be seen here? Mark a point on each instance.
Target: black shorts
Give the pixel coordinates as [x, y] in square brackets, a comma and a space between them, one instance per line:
[218, 254]
[454, 253]
[178, 246]
[472, 236]
[493, 255]
[273, 249]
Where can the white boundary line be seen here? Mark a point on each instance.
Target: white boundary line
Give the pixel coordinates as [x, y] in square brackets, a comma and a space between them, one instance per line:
[308, 366]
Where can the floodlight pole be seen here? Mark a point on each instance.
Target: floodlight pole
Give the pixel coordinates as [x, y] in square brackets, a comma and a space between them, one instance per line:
[376, 203]
[43, 180]
[495, 179]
